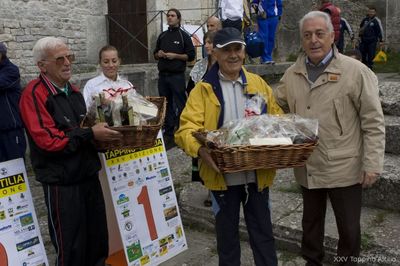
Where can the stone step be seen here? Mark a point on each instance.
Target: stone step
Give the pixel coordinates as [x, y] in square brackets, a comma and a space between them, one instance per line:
[390, 97]
[384, 194]
[392, 126]
[380, 228]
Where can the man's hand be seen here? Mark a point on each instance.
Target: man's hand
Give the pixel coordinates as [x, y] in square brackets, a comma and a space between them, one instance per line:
[161, 54]
[205, 156]
[381, 45]
[368, 179]
[102, 133]
[255, 7]
[170, 56]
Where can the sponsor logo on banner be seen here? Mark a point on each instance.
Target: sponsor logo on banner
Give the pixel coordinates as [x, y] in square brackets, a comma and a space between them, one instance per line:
[165, 190]
[5, 228]
[122, 199]
[28, 243]
[11, 185]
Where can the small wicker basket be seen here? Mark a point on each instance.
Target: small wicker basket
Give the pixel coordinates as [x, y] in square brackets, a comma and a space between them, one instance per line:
[230, 159]
[138, 136]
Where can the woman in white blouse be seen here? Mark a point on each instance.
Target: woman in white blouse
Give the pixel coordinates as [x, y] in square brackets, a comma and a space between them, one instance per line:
[108, 81]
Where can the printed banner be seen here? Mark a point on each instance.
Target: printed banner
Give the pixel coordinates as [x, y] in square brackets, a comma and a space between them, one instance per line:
[145, 204]
[20, 239]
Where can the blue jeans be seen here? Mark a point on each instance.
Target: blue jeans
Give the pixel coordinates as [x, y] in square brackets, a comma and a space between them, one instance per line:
[172, 86]
[267, 29]
[226, 208]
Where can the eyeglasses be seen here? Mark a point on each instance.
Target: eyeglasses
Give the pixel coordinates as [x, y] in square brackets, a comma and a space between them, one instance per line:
[61, 59]
[318, 34]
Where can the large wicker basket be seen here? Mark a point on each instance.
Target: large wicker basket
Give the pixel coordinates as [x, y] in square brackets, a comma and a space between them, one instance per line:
[230, 159]
[138, 136]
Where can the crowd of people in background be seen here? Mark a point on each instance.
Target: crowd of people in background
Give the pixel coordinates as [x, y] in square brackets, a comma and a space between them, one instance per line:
[348, 158]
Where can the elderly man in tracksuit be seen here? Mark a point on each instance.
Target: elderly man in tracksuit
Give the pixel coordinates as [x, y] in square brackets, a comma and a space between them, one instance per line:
[222, 96]
[269, 13]
[64, 158]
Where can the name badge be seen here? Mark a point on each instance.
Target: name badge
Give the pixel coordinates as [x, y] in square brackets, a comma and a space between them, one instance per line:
[333, 77]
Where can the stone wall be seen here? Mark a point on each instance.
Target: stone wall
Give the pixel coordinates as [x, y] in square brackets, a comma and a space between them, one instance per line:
[80, 22]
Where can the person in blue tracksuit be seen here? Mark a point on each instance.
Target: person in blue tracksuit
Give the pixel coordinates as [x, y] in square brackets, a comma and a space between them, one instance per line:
[370, 32]
[12, 137]
[269, 13]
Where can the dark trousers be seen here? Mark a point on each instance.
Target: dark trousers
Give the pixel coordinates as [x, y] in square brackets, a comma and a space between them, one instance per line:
[172, 86]
[368, 51]
[77, 223]
[346, 205]
[232, 23]
[340, 44]
[226, 207]
[12, 144]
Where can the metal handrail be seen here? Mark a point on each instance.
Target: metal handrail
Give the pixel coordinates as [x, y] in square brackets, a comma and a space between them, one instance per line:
[158, 13]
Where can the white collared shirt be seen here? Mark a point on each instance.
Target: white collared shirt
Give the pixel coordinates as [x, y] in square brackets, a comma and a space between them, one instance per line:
[323, 62]
[231, 9]
[101, 83]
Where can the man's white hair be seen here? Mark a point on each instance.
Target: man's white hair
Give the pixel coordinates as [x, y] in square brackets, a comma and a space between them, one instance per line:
[43, 45]
[316, 14]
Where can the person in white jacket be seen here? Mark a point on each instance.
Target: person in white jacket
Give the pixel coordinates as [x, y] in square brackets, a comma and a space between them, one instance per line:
[231, 13]
[109, 81]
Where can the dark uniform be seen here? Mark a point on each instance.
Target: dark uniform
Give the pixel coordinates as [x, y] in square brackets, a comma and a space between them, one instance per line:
[371, 32]
[171, 83]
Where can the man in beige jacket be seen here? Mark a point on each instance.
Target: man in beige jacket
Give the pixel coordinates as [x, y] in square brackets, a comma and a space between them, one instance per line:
[342, 94]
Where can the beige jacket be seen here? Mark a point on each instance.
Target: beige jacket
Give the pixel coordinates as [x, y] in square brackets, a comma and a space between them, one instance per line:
[345, 101]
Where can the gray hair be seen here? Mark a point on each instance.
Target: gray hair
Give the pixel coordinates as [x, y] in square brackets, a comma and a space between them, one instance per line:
[43, 45]
[316, 14]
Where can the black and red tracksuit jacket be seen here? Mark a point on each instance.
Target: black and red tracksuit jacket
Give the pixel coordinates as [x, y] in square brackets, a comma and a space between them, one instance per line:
[61, 152]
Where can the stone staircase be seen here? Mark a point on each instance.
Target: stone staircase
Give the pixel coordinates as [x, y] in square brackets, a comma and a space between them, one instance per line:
[385, 193]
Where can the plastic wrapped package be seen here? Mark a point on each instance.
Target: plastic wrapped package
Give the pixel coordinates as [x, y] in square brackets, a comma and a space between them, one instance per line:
[266, 130]
[108, 106]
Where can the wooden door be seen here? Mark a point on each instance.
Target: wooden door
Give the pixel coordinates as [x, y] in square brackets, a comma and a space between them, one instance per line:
[127, 29]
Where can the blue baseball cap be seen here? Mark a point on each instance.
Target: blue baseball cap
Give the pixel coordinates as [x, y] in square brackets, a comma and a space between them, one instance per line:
[227, 36]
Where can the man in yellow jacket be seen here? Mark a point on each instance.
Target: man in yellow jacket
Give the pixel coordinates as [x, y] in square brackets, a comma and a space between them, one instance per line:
[223, 96]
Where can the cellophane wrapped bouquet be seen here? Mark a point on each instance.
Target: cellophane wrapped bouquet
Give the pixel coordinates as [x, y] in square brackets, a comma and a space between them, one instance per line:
[266, 130]
[120, 107]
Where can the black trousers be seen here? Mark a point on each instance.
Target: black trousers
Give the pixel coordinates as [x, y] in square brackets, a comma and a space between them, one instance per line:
[172, 86]
[346, 205]
[77, 223]
[368, 51]
[232, 23]
[226, 207]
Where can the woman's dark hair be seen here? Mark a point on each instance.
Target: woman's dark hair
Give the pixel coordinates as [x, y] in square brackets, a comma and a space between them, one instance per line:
[177, 12]
[209, 35]
[107, 48]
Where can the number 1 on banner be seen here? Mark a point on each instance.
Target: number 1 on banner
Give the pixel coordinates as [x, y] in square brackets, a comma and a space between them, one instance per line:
[144, 199]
